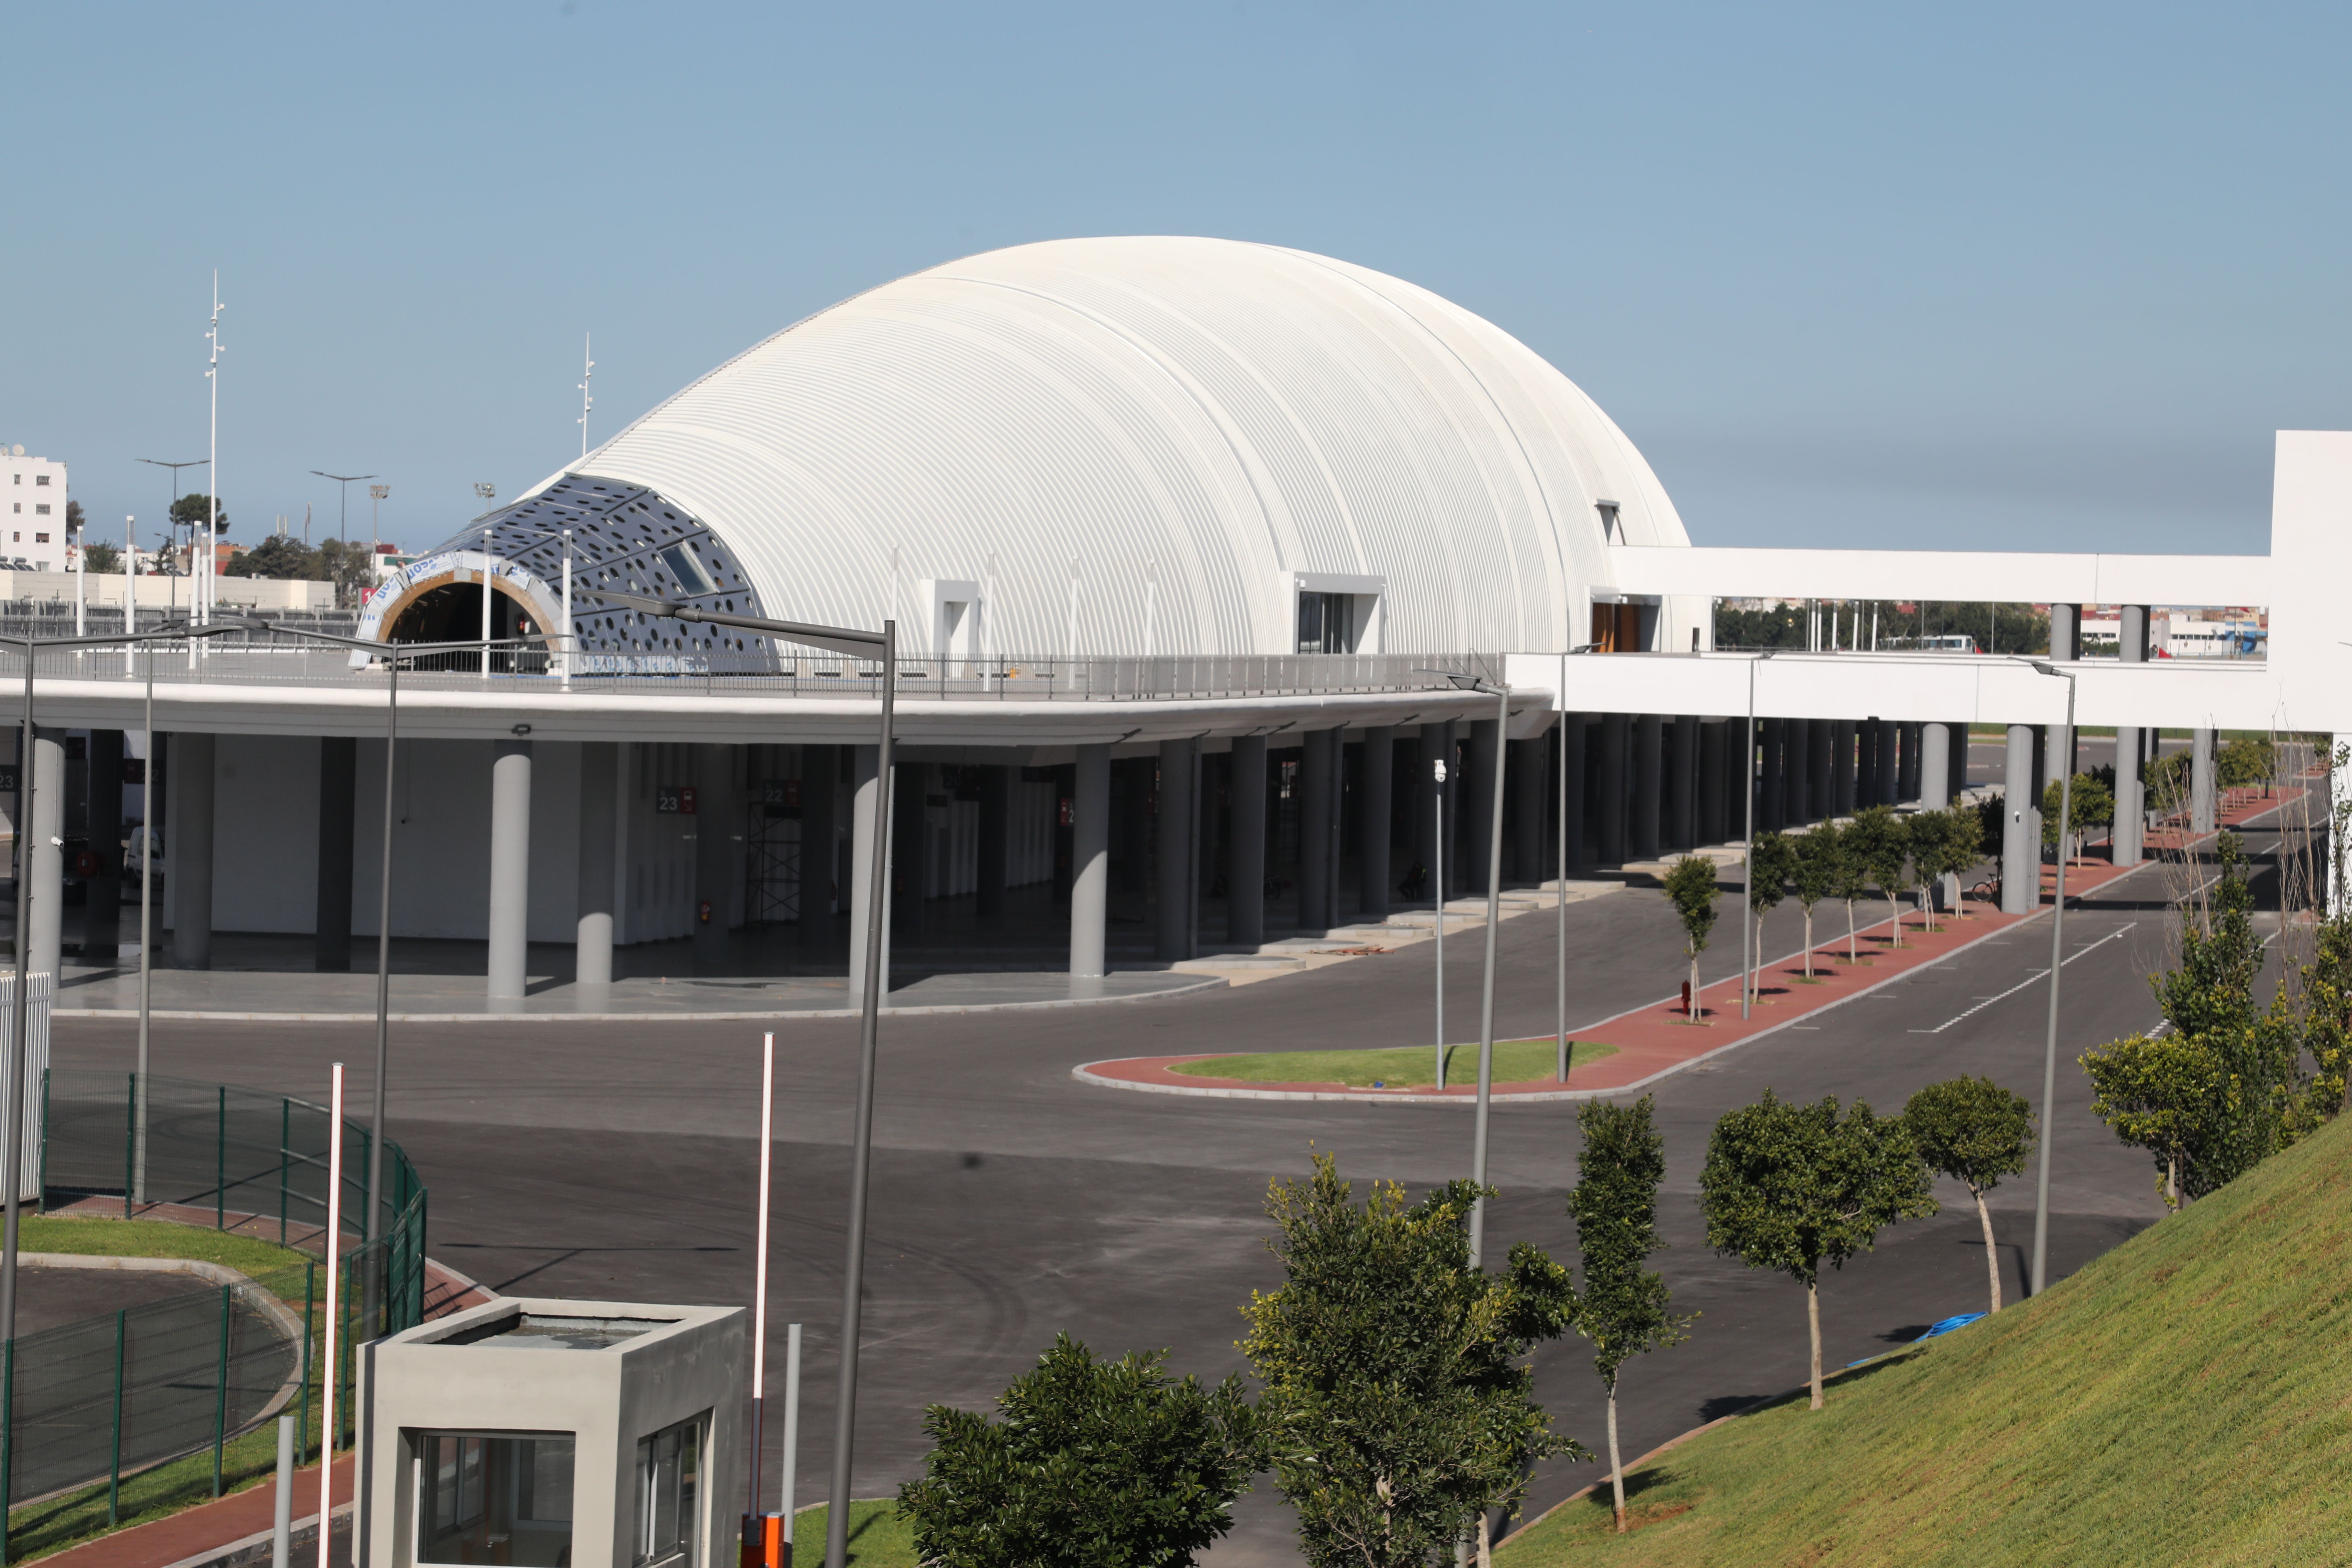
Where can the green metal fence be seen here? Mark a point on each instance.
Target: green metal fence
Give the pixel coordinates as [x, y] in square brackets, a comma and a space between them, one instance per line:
[88, 1404]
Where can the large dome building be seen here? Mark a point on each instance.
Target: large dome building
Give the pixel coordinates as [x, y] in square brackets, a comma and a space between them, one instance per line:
[1112, 446]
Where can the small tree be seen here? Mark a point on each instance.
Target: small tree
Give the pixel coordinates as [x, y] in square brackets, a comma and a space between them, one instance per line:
[1815, 877]
[100, 558]
[2158, 1093]
[1623, 1307]
[1958, 844]
[1691, 889]
[1398, 1407]
[1849, 881]
[1975, 1131]
[2089, 805]
[1767, 884]
[1788, 1186]
[1929, 830]
[1881, 842]
[1092, 1462]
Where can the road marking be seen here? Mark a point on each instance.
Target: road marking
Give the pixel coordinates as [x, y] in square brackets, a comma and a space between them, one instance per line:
[2033, 979]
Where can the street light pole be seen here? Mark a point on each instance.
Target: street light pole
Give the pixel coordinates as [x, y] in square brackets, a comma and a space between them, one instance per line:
[1502, 695]
[1437, 789]
[2057, 960]
[342, 508]
[860, 644]
[169, 525]
[1747, 858]
[376, 494]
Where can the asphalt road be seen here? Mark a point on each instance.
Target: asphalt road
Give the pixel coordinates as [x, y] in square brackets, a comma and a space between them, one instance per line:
[1011, 1202]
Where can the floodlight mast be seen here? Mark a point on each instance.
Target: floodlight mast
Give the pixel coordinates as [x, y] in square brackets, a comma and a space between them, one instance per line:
[858, 643]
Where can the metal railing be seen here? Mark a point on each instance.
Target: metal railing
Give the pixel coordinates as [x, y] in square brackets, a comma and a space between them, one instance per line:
[257, 659]
[86, 1404]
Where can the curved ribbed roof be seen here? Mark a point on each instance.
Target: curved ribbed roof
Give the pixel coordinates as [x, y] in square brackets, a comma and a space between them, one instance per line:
[1193, 422]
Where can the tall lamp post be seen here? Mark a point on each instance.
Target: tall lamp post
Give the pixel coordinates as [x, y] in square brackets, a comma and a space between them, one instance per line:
[376, 494]
[1747, 856]
[857, 643]
[1501, 696]
[2057, 959]
[168, 524]
[342, 506]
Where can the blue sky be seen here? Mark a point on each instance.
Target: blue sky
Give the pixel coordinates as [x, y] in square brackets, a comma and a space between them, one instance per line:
[2026, 277]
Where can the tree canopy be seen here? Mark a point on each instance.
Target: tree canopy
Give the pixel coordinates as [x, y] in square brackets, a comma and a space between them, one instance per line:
[1089, 1463]
[1398, 1404]
[191, 509]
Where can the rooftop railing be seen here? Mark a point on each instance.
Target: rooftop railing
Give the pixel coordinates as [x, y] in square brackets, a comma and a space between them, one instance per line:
[260, 659]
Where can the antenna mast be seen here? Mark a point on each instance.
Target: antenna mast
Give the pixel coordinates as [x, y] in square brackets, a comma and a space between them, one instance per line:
[587, 374]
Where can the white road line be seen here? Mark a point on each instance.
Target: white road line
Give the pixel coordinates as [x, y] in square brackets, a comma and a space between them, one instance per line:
[2034, 979]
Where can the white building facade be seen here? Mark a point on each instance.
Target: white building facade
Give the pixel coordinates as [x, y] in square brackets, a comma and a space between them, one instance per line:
[36, 489]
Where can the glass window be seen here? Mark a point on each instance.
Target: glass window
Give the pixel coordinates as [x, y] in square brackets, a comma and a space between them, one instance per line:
[669, 1464]
[40, 479]
[1327, 622]
[497, 1500]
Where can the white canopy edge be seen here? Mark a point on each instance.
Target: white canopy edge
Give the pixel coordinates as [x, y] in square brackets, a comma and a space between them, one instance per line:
[1994, 576]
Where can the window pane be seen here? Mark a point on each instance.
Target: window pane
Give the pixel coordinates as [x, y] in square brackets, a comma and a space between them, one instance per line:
[493, 1502]
[668, 1511]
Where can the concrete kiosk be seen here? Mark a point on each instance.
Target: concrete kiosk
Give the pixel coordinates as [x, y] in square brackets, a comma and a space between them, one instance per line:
[548, 1434]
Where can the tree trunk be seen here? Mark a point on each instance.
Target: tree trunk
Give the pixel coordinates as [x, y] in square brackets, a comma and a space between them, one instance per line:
[1851, 956]
[1808, 941]
[1896, 909]
[2172, 1182]
[1485, 1543]
[1616, 1465]
[1691, 1012]
[1993, 1257]
[1813, 1321]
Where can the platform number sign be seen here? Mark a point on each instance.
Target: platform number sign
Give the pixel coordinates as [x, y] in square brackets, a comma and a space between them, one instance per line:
[780, 792]
[674, 800]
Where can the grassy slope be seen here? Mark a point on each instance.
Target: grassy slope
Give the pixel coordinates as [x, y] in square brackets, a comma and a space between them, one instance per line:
[1515, 1061]
[154, 1238]
[2185, 1399]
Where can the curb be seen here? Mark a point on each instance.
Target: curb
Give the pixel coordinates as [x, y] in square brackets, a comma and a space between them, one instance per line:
[1201, 982]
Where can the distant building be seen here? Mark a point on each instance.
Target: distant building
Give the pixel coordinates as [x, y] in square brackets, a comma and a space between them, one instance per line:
[36, 489]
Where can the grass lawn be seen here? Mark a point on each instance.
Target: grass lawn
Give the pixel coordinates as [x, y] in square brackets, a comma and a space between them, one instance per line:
[1515, 1061]
[155, 1238]
[878, 1538]
[2181, 1400]
[36, 1529]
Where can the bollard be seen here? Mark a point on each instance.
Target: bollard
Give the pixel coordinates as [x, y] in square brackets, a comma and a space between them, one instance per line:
[281, 1531]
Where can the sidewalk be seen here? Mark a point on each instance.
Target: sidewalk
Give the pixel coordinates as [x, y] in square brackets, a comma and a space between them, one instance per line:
[206, 1532]
[1657, 1038]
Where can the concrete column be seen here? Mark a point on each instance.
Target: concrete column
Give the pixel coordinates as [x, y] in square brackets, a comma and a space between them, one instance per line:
[509, 913]
[1797, 770]
[189, 850]
[2201, 792]
[1319, 787]
[1530, 807]
[910, 846]
[1865, 763]
[338, 774]
[995, 824]
[46, 944]
[1245, 856]
[1477, 801]
[1890, 762]
[1772, 779]
[867, 817]
[1090, 858]
[1908, 779]
[102, 906]
[820, 896]
[1713, 814]
[2131, 794]
[1616, 735]
[1935, 766]
[1958, 760]
[1649, 782]
[2021, 838]
[2065, 631]
[1682, 772]
[1173, 907]
[1377, 822]
[1820, 781]
[600, 791]
[1573, 782]
[1845, 767]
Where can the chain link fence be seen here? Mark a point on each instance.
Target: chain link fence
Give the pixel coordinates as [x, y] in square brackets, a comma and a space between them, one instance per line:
[90, 1404]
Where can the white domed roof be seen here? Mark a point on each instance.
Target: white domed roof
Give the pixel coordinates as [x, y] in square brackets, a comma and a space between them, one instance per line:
[1195, 423]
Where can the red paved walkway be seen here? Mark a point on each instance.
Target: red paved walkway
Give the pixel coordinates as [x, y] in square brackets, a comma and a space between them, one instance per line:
[199, 1529]
[1658, 1039]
